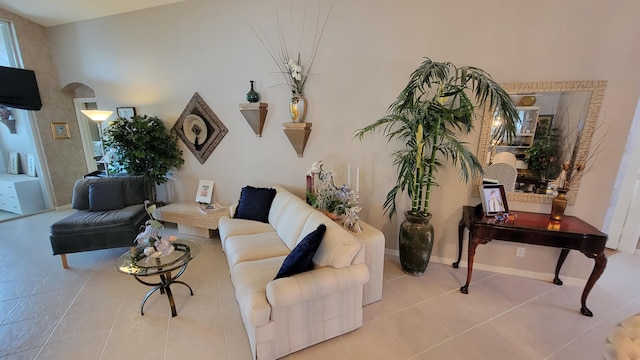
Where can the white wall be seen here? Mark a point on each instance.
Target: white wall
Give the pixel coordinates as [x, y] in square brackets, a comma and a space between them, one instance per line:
[156, 59]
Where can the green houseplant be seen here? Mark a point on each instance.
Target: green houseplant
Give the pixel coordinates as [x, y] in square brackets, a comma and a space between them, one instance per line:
[543, 157]
[428, 116]
[142, 145]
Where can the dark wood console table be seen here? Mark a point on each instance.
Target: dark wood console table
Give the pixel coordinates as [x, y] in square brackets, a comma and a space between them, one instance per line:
[535, 228]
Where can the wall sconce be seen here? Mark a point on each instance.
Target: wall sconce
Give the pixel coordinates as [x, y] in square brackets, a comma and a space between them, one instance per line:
[99, 116]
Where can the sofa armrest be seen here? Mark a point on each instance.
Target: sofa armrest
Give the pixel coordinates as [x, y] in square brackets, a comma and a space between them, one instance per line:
[314, 284]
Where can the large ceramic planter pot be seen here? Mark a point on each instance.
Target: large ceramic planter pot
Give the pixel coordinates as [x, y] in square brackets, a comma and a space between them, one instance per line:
[416, 243]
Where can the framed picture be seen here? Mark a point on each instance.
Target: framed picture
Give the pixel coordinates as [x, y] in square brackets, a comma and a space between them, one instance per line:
[199, 128]
[31, 165]
[13, 163]
[494, 199]
[60, 130]
[126, 112]
[205, 191]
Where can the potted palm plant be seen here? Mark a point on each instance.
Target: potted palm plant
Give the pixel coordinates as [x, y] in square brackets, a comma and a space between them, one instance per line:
[428, 116]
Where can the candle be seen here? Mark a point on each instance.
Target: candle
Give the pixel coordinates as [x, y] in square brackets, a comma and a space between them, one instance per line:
[357, 180]
[349, 175]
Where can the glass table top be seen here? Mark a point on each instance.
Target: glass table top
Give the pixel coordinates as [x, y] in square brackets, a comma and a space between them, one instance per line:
[135, 262]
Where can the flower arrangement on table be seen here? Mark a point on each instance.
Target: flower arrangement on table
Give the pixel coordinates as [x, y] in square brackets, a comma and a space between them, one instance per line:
[151, 236]
[326, 196]
[335, 202]
[291, 67]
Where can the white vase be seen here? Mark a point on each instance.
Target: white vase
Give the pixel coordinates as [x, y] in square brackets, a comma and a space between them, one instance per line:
[297, 107]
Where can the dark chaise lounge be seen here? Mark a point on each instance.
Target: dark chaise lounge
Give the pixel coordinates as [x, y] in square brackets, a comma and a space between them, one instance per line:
[110, 212]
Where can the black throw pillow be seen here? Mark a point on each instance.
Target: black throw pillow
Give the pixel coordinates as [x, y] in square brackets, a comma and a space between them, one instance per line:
[300, 258]
[254, 203]
[105, 196]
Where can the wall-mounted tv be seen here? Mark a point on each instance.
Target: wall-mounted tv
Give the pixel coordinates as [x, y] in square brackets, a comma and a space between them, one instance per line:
[19, 89]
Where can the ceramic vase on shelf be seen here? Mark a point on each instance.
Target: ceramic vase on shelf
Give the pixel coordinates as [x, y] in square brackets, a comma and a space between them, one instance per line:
[252, 95]
[558, 205]
[297, 107]
[415, 243]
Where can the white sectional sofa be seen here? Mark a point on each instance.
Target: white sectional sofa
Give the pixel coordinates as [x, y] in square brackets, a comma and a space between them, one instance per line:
[288, 314]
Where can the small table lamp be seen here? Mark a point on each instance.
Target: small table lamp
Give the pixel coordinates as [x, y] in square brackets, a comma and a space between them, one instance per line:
[99, 116]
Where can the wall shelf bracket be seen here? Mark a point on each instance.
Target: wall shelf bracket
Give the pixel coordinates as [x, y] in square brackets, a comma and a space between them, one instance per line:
[255, 114]
[298, 134]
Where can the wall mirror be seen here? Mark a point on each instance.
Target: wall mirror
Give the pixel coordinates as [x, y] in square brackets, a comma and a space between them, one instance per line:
[557, 122]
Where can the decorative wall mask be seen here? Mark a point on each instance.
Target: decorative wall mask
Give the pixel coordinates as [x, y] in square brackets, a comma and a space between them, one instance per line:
[199, 128]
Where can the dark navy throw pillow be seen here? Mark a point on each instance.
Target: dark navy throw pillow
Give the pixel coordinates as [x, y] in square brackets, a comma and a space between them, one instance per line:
[105, 195]
[299, 259]
[254, 203]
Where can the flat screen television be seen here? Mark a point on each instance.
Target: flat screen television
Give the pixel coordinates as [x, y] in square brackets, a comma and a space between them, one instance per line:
[19, 89]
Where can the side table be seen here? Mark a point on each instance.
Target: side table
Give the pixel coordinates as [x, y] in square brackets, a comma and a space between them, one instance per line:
[373, 241]
[136, 263]
[191, 219]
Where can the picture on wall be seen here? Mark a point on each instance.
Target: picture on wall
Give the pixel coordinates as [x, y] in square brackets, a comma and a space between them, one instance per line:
[205, 191]
[60, 130]
[126, 112]
[199, 128]
[31, 165]
[494, 199]
[12, 168]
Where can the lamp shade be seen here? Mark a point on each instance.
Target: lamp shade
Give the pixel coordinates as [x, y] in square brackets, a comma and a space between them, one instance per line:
[97, 115]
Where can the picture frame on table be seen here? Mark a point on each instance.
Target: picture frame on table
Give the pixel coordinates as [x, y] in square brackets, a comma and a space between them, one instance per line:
[205, 191]
[126, 112]
[12, 167]
[31, 165]
[60, 130]
[494, 199]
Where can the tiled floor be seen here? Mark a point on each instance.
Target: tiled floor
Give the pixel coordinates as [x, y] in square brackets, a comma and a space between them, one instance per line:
[91, 311]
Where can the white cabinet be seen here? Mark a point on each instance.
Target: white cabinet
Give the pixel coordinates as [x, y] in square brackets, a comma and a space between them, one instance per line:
[20, 194]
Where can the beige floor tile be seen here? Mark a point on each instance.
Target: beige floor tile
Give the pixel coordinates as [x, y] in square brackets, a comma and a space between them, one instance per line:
[332, 349]
[416, 289]
[195, 338]
[237, 344]
[53, 304]
[374, 341]
[392, 301]
[416, 330]
[449, 350]
[82, 345]
[25, 335]
[488, 342]
[454, 312]
[13, 289]
[23, 355]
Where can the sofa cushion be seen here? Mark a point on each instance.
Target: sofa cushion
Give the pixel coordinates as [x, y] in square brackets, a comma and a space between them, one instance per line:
[280, 202]
[228, 227]
[105, 196]
[82, 220]
[290, 224]
[133, 187]
[300, 258]
[250, 279]
[254, 203]
[339, 247]
[254, 247]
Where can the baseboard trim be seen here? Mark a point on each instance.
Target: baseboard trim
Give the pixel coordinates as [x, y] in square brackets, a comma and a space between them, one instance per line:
[573, 281]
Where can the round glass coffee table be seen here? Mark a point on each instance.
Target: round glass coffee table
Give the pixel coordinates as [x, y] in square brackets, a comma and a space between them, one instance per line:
[136, 263]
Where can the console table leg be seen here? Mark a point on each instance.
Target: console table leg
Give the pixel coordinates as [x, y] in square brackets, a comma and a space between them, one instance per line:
[598, 269]
[461, 227]
[473, 243]
[561, 259]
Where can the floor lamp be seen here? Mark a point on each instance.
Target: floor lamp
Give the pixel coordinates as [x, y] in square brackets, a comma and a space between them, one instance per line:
[99, 116]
